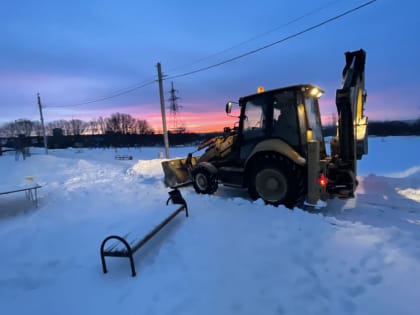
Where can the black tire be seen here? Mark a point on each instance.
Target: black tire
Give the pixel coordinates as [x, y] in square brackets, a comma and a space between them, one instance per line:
[204, 181]
[277, 180]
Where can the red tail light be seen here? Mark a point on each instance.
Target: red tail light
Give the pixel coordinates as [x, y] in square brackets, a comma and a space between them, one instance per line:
[323, 181]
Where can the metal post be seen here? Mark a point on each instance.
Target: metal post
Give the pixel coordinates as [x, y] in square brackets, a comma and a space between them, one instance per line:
[42, 124]
[314, 190]
[162, 108]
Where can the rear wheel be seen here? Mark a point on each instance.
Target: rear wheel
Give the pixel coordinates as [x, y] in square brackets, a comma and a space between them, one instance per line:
[277, 180]
[204, 181]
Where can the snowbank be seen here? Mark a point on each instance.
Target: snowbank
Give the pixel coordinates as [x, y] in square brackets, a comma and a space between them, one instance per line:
[231, 256]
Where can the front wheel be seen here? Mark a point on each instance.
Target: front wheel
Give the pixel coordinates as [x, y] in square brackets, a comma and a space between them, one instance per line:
[204, 181]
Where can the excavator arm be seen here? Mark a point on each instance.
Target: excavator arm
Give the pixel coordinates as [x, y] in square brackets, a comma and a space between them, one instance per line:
[350, 101]
[351, 142]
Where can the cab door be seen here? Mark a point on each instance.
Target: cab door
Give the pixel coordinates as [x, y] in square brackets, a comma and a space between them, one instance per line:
[256, 124]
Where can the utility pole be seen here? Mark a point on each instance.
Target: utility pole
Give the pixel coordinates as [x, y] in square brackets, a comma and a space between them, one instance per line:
[42, 124]
[162, 108]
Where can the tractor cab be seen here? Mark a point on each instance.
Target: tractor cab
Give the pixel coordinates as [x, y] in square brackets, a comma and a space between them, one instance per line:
[288, 114]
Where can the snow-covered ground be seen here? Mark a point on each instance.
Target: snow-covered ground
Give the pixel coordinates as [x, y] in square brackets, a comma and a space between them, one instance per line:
[231, 256]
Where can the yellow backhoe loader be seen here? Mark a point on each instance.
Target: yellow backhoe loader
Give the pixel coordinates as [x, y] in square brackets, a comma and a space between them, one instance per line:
[277, 149]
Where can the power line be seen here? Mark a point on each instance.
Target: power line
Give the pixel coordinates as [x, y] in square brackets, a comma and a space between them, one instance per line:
[273, 43]
[137, 87]
[260, 35]
[116, 94]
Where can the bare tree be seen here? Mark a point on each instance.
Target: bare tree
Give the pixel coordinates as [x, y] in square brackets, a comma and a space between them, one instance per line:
[66, 126]
[37, 128]
[18, 127]
[8, 130]
[91, 127]
[49, 127]
[117, 123]
[121, 123]
[60, 124]
[76, 126]
[23, 127]
[128, 124]
[142, 127]
[112, 123]
[101, 125]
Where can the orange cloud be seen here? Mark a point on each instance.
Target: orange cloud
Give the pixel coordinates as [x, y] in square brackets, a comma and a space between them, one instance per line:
[193, 122]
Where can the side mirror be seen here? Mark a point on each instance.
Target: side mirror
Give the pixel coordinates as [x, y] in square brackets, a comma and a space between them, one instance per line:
[228, 107]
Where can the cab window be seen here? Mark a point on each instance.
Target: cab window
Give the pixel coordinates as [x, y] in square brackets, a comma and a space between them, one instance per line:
[285, 120]
[255, 122]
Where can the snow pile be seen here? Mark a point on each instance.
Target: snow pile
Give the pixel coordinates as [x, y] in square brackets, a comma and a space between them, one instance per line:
[231, 256]
[410, 193]
[147, 168]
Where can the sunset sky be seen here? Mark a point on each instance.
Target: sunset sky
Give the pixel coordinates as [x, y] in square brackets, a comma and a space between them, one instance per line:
[81, 51]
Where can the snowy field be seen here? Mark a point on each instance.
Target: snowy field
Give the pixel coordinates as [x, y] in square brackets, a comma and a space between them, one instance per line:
[231, 256]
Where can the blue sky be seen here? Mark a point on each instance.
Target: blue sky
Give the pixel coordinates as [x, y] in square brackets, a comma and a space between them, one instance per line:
[76, 51]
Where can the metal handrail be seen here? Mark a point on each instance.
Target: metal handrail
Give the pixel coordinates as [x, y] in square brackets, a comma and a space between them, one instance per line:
[176, 198]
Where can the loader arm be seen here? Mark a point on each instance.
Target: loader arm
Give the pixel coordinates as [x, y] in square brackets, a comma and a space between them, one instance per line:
[350, 101]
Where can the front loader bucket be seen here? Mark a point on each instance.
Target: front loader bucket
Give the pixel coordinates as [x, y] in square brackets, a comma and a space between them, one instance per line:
[177, 171]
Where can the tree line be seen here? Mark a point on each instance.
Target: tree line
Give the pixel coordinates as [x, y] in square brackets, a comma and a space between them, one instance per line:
[123, 130]
[117, 123]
